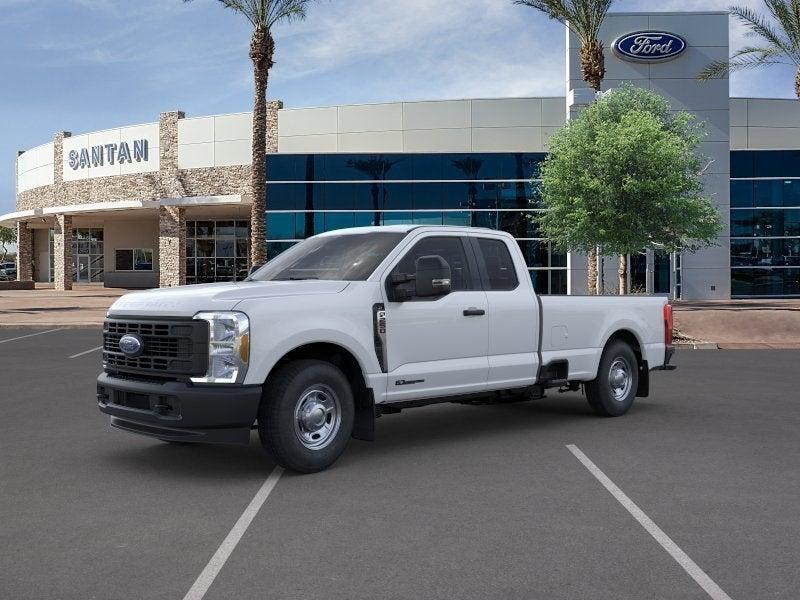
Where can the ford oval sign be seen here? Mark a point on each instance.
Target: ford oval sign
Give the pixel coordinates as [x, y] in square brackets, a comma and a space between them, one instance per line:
[649, 46]
[131, 345]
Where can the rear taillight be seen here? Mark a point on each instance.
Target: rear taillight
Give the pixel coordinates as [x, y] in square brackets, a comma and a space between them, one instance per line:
[668, 324]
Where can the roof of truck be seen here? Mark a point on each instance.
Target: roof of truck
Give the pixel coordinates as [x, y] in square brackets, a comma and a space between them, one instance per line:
[404, 229]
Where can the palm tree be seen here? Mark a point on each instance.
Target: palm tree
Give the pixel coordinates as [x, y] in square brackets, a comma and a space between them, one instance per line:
[470, 167]
[263, 15]
[377, 169]
[584, 18]
[778, 37]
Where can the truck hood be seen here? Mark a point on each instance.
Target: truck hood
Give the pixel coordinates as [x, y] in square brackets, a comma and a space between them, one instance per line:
[186, 301]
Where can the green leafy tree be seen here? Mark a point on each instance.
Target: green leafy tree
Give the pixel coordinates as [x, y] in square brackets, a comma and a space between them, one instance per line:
[625, 176]
[778, 42]
[262, 15]
[584, 18]
[7, 237]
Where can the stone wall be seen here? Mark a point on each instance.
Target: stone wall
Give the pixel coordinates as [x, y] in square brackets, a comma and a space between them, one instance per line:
[24, 252]
[168, 182]
[273, 107]
[171, 246]
[62, 252]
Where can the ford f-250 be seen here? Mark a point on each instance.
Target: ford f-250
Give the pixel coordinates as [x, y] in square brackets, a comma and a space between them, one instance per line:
[356, 323]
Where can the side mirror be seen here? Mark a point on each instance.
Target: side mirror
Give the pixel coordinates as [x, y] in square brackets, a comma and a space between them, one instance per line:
[433, 276]
[254, 268]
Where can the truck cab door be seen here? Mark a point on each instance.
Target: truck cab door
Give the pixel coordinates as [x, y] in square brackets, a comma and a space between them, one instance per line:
[436, 345]
[513, 314]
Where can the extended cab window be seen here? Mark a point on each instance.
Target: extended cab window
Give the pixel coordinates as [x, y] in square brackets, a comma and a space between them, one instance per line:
[451, 249]
[499, 265]
[346, 257]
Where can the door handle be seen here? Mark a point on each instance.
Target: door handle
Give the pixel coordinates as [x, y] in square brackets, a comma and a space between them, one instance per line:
[474, 312]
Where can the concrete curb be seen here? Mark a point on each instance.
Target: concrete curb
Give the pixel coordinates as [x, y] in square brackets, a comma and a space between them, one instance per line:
[697, 346]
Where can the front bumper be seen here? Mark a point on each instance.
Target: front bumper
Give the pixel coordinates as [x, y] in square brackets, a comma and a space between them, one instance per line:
[178, 411]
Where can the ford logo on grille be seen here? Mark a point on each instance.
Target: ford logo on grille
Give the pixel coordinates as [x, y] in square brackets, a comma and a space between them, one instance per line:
[131, 344]
[649, 46]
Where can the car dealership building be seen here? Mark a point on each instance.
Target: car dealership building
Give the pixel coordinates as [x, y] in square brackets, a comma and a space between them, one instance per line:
[168, 203]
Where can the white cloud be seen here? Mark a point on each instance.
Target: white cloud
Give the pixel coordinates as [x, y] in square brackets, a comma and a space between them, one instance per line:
[420, 48]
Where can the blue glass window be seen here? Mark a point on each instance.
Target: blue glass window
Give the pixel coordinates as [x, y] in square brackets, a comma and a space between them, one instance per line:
[456, 218]
[765, 253]
[742, 164]
[336, 220]
[765, 282]
[396, 196]
[768, 193]
[281, 226]
[791, 193]
[776, 163]
[741, 194]
[402, 167]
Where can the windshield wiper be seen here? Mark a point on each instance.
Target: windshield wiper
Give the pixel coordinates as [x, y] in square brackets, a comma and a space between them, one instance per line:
[296, 278]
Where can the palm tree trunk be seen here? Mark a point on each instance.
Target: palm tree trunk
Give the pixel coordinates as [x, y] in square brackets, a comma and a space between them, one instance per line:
[593, 66]
[797, 84]
[262, 48]
[623, 274]
[600, 275]
[591, 272]
[592, 70]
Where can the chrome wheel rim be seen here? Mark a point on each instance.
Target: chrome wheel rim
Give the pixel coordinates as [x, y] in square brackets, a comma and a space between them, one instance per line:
[619, 379]
[317, 417]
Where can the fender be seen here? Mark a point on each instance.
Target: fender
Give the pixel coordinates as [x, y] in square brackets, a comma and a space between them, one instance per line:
[265, 361]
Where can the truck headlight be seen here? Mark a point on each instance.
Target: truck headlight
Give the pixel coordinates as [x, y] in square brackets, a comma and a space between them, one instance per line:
[228, 347]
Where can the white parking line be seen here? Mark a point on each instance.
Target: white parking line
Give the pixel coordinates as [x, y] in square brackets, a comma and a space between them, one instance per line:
[86, 352]
[209, 574]
[694, 571]
[22, 337]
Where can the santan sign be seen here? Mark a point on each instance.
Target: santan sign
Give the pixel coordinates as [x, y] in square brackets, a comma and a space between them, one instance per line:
[649, 46]
[97, 156]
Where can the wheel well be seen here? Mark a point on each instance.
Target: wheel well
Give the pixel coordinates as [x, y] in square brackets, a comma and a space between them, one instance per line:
[344, 360]
[330, 353]
[629, 338]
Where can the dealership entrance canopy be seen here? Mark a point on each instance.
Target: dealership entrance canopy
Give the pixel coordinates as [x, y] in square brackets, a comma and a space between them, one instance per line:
[168, 203]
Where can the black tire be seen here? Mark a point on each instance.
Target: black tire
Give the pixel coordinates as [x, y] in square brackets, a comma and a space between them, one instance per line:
[314, 385]
[607, 394]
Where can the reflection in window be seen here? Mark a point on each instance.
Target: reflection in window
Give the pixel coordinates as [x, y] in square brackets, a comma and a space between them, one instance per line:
[133, 259]
[220, 250]
[403, 167]
[309, 194]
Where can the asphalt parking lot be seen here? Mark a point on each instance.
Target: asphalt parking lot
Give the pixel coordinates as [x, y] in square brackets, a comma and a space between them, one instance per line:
[450, 501]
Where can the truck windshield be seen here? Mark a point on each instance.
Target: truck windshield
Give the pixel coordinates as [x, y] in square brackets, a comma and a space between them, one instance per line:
[347, 257]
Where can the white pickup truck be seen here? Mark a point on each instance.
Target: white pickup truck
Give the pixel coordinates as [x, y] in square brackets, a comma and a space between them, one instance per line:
[356, 323]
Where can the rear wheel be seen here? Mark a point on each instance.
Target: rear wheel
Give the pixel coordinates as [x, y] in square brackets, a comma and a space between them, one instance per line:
[612, 392]
[306, 415]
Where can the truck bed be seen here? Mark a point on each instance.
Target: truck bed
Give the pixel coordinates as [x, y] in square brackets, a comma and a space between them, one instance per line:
[576, 328]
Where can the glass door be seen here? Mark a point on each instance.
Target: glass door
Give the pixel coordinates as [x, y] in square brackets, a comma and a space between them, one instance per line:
[82, 275]
[87, 248]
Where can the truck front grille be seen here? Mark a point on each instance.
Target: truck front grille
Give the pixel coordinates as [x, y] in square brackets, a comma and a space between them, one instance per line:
[171, 348]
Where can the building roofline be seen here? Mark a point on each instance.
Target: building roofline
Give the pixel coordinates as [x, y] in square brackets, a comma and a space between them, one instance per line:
[422, 100]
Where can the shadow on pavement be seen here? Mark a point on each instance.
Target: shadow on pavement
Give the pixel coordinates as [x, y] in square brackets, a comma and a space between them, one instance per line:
[426, 427]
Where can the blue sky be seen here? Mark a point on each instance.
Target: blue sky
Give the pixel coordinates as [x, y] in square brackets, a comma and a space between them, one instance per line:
[83, 65]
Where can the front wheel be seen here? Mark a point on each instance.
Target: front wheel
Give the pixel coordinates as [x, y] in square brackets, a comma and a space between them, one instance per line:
[612, 392]
[306, 415]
